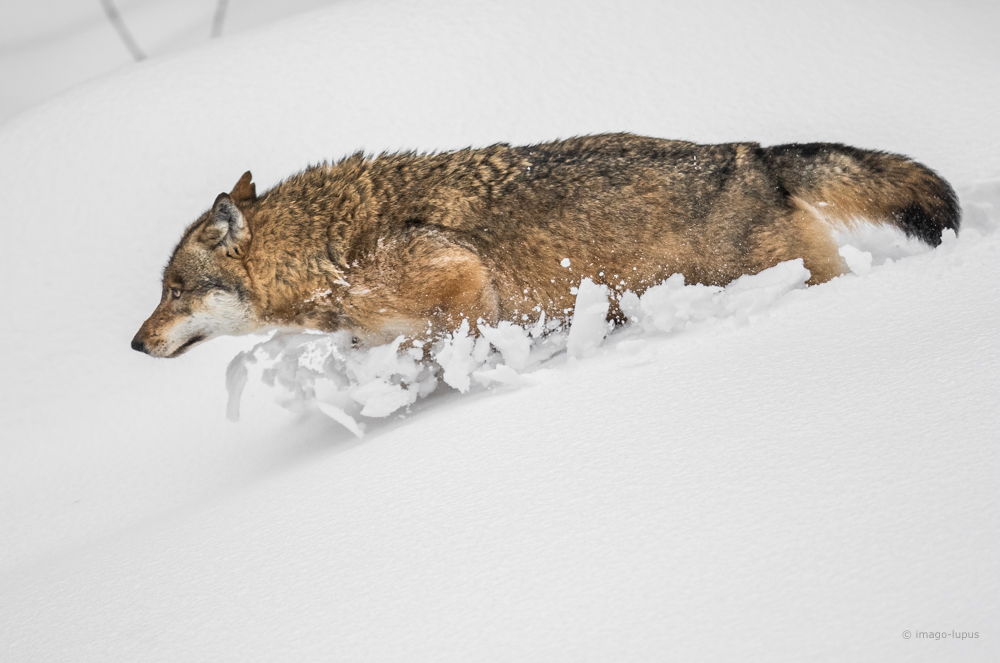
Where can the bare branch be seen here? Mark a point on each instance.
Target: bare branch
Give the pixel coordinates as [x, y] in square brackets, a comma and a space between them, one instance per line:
[116, 20]
[219, 18]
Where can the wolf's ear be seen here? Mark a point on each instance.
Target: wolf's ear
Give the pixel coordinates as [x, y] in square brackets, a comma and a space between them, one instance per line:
[245, 191]
[227, 228]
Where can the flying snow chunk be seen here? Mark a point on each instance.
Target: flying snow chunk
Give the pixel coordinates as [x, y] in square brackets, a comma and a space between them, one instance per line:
[341, 417]
[380, 399]
[672, 305]
[858, 261]
[511, 340]
[752, 293]
[590, 319]
[456, 358]
[564, 262]
[236, 381]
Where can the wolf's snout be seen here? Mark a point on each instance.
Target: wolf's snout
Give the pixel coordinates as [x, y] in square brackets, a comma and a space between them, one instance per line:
[139, 344]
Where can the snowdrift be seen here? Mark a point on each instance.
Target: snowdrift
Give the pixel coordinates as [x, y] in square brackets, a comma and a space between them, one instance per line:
[760, 473]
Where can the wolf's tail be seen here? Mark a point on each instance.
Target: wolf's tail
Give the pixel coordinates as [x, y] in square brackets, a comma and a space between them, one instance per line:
[848, 185]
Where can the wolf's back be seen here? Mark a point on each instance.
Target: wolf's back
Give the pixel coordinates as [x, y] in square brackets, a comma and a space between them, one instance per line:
[849, 184]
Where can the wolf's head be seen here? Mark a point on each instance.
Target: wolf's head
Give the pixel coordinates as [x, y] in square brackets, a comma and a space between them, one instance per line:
[205, 285]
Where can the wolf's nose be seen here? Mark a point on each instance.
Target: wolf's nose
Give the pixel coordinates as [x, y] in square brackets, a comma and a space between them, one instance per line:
[138, 344]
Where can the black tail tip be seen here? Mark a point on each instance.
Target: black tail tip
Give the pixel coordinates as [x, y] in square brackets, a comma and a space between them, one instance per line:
[917, 221]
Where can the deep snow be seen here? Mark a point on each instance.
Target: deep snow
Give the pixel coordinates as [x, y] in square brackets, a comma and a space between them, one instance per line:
[803, 482]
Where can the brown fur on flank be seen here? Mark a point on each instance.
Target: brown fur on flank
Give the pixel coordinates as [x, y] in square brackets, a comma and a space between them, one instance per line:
[413, 243]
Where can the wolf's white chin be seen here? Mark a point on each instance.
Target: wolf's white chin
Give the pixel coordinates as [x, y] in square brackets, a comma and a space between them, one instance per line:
[187, 345]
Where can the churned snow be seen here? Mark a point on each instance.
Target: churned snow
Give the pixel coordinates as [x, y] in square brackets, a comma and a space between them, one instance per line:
[325, 370]
[762, 472]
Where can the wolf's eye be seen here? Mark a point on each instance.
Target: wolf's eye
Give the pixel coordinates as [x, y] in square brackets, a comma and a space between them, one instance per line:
[175, 293]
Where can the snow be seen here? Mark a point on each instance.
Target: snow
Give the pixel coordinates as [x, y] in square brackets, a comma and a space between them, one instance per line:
[858, 261]
[511, 341]
[328, 372]
[47, 47]
[589, 325]
[765, 472]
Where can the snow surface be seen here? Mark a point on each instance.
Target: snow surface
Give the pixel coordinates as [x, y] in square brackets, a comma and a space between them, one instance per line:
[762, 473]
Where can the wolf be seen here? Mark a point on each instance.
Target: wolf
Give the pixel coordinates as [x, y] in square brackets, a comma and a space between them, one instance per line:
[414, 243]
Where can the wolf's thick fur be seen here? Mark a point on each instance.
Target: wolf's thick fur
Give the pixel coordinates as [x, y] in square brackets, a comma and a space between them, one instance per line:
[413, 243]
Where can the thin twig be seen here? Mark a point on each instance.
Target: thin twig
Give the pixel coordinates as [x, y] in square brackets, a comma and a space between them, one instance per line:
[116, 20]
[219, 18]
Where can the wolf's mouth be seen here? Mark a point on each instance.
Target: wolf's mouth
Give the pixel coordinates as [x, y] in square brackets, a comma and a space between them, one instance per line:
[184, 348]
